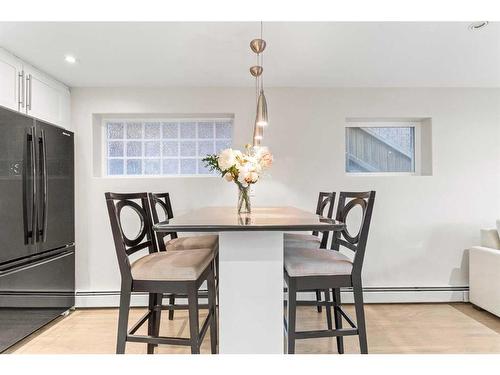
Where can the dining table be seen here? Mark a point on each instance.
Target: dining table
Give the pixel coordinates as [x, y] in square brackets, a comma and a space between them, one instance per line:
[251, 285]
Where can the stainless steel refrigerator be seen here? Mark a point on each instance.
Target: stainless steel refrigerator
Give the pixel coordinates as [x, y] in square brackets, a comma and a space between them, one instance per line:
[37, 250]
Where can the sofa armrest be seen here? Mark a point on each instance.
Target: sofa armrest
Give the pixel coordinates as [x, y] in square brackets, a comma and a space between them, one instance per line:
[484, 278]
[490, 238]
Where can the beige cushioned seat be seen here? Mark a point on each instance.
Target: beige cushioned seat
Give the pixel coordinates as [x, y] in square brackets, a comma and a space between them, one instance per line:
[302, 240]
[308, 262]
[172, 266]
[193, 242]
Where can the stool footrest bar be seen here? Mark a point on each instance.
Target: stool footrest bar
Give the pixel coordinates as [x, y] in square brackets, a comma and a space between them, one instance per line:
[162, 340]
[325, 333]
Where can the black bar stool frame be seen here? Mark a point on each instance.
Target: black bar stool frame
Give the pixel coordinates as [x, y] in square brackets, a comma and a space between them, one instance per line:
[163, 201]
[155, 288]
[357, 244]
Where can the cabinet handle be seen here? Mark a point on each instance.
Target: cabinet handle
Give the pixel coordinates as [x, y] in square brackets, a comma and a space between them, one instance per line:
[28, 96]
[20, 83]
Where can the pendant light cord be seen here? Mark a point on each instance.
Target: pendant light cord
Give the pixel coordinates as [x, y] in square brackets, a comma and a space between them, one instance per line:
[259, 80]
[261, 59]
[257, 84]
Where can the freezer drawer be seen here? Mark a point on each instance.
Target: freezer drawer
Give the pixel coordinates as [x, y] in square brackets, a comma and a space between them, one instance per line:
[48, 283]
[35, 294]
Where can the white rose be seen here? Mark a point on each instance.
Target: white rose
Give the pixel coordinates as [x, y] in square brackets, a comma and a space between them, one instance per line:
[226, 159]
[257, 168]
[240, 166]
[241, 180]
[237, 154]
[259, 150]
[242, 173]
[228, 177]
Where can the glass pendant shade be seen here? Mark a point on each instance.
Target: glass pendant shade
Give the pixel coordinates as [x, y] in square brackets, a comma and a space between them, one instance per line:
[261, 118]
[258, 133]
[258, 45]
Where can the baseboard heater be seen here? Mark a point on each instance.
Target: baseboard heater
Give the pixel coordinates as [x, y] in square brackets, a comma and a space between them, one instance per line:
[372, 295]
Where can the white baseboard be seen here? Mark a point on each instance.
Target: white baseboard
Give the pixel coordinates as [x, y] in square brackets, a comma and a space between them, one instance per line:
[371, 295]
[107, 299]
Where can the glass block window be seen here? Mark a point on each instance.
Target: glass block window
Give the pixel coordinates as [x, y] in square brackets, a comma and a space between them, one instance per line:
[167, 147]
[375, 148]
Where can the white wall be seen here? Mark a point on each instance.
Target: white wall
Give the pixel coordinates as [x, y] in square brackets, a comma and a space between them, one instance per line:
[421, 225]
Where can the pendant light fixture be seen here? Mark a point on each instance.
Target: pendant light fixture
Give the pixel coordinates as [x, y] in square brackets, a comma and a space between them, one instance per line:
[261, 119]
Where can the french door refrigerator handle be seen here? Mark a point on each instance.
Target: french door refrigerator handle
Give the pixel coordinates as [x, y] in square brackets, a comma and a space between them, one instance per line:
[45, 185]
[34, 213]
[28, 233]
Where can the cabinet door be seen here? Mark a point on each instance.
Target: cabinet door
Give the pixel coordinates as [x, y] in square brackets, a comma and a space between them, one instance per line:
[10, 68]
[46, 99]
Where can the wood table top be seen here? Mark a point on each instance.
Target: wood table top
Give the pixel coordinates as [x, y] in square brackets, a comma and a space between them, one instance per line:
[221, 219]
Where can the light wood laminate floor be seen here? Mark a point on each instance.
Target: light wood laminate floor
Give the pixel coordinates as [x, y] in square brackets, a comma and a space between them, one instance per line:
[392, 328]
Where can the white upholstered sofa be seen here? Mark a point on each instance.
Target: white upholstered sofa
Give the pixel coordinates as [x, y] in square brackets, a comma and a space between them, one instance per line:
[484, 271]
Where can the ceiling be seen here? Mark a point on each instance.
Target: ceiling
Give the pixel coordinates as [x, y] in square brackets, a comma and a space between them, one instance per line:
[305, 54]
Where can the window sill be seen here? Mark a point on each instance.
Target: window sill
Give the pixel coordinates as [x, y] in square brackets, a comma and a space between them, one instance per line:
[156, 176]
[384, 174]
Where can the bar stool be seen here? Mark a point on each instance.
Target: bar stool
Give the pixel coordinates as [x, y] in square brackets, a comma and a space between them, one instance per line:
[326, 201]
[330, 269]
[170, 241]
[158, 273]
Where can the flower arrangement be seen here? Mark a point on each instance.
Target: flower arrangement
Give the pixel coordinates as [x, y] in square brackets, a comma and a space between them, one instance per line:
[242, 168]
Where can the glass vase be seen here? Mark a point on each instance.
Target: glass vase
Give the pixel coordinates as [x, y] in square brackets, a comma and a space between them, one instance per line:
[244, 206]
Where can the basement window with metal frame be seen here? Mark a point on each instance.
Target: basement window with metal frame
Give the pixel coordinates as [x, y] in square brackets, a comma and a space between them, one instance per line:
[382, 147]
[162, 147]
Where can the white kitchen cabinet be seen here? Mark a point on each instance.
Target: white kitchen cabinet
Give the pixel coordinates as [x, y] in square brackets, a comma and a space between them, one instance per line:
[10, 80]
[26, 89]
[46, 98]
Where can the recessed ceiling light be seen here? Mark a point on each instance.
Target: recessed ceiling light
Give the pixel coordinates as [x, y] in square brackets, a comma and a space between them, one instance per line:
[478, 25]
[70, 59]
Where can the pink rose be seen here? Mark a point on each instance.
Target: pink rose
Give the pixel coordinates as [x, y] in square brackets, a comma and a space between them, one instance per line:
[251, 177]
[266, 159]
